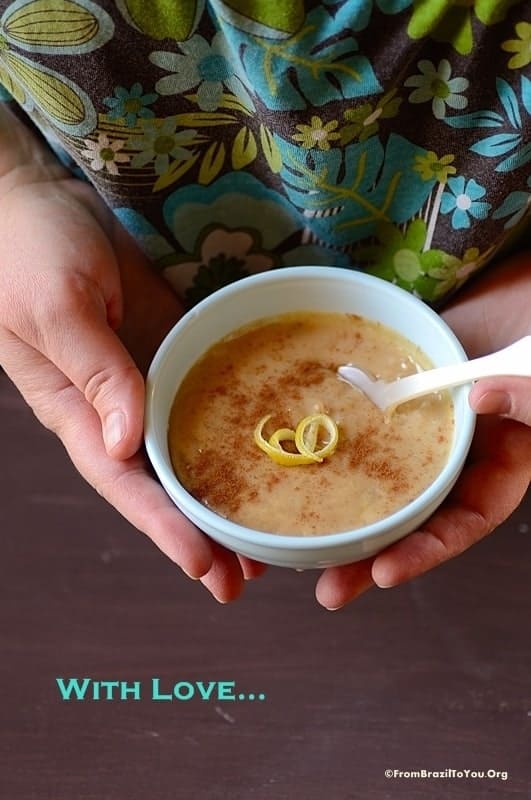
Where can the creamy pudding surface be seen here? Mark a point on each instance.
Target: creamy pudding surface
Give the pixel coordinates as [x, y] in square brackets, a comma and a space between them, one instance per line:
[286, 366]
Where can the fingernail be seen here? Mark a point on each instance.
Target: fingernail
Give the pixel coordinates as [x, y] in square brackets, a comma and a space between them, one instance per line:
[192, 577]
[359, 591]
[219, 600]
[494, 402]
[114, 430]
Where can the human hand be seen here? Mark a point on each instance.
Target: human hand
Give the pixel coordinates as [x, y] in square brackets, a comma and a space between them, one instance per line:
[80, 312]
[498, 471]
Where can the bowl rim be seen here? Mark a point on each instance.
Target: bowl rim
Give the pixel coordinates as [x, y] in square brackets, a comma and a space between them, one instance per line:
[280, 541]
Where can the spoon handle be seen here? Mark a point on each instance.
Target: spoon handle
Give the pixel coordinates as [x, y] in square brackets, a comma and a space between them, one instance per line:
[512, 360]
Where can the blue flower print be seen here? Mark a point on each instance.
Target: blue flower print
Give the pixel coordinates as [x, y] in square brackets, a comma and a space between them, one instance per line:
[235, 226]
[435, 84]
[161, 143]
[463, 200]
[210, 67]
[130, 104]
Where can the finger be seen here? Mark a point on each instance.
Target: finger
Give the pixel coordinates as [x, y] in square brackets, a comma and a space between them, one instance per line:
[225, 579]
[510, 397]
[83, 346]
[251, 568]
[486, 494]
[337, 586]
[128, 486]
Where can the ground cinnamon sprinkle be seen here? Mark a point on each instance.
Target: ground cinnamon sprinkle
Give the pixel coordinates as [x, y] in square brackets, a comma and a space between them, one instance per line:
[272, 481]
[310, 518]
[269, 396]
[312, 373]
[214, 482]
[251, 375]
[365, 453]
[384, 471]
[360, 447]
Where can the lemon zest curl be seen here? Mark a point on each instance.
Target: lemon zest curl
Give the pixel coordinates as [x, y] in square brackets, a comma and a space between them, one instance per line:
[305, 437]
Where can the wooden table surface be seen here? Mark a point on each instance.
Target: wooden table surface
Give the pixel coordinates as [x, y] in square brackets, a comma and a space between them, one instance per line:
[430, 676]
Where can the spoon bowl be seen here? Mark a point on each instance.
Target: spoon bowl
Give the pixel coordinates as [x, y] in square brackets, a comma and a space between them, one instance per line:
[387, 395]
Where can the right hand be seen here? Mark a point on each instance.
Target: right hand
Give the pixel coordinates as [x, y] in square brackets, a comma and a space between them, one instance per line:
[71, 280]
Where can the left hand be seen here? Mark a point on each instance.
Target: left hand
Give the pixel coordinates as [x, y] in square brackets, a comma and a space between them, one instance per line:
[69, 292]
[498, 471]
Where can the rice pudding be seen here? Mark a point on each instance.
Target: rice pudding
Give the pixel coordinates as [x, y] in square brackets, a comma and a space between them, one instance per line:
[286, 367]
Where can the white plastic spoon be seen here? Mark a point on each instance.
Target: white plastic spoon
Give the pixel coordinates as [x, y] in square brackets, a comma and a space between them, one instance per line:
[387, 395]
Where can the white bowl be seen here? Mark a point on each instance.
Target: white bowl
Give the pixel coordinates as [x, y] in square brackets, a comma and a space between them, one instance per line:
[277, 292]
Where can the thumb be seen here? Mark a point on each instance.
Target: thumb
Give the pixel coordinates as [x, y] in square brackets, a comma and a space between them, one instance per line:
[509, 397]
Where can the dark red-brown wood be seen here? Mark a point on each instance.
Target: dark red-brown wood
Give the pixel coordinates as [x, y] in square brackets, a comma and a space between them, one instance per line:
[433, 675]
